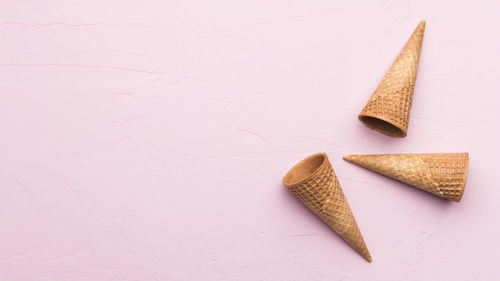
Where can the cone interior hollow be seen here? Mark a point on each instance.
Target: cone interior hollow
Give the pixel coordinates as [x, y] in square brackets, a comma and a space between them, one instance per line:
[382, 126]
[305, 169]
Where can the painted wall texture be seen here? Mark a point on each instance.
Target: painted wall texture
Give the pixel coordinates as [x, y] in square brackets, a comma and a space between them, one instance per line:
[147, 140]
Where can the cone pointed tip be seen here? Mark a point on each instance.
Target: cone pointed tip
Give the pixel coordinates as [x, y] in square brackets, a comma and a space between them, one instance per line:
[421, 25]
[366, 255]
[347, 158]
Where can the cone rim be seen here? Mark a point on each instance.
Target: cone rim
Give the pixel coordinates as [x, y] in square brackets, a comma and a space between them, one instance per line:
[287, 179]
[380, 123]
[466, 171]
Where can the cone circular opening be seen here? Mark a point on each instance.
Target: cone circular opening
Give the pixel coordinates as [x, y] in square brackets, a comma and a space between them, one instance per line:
[382, 126]
[305, 169]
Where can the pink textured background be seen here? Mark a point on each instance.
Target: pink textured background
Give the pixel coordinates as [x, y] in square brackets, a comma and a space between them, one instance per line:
[147, 140]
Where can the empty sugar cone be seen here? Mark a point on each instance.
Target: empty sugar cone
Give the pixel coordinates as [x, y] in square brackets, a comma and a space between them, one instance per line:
[442, 174]
[313, 182]
[388, 109]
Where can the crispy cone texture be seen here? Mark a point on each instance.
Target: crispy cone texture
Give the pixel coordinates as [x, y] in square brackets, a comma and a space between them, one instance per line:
[388, 109]
[313, 182]
[442, 174]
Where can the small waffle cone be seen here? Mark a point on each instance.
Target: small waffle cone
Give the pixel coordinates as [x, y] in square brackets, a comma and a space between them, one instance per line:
[442, 174]
[388, 109]
[313, 182]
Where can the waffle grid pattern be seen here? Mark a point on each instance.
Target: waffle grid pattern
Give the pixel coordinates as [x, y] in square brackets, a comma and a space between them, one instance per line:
[442, 174]
[391, 101]
[324, 196]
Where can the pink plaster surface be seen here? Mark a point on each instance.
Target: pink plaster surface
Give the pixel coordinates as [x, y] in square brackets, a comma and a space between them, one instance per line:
[147, 140]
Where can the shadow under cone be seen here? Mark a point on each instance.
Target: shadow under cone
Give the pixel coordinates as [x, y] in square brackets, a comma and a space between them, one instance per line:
[442, 174]
[313, 182]
[388, 109]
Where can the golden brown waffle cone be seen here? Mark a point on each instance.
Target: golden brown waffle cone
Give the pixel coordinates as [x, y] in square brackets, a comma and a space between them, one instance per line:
[313, 181]
[442, 174]
[388, 109]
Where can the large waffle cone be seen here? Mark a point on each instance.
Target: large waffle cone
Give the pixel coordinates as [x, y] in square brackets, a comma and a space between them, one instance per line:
[442, 174]
[388, 109]
[313, 182]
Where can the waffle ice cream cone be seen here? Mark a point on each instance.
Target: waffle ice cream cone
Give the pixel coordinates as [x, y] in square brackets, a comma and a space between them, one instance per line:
[313, 182]
[388, 109]
[442, 174]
